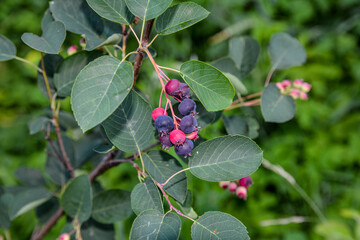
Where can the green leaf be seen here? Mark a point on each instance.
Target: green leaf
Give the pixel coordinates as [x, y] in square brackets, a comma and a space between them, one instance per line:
[334, 230]
[186, 206]
[237, 83]
[68, 70]
[79, 18]
[253, 127]
[148, 9]
[7, 49]
[50, 41]
[5, 220]
[28, 200]
[225, 159]
[161, 166]
[46, 210]
[211, 86]
[92, 230]
[47, 18]
[111, 206]
[146, 196]
[276, 107]
[220, 226]
[285, 51]
[30, 177]
[153, 225]
[51, 62]
[99, 89]
[56, 170]
[245, 52]
[179, 17]
[113, 10]
[130, 126]
[38, 124]
[76, 199]
[236, 125]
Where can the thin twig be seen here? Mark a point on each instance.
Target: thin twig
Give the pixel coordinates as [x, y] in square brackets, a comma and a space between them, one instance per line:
[251, 103]
[49, 224]
[268, 78]
[287, 176]
[132, 30]
[171, 69]
[284, 221]
[172, 176]
[28, 62]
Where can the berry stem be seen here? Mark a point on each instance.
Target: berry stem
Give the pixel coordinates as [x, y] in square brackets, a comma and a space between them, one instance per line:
[171, 177]
[163, 73]
[162, 84]
[271, 72]
[28, 62]
[171, 69]
[161, 94]
[251, 103]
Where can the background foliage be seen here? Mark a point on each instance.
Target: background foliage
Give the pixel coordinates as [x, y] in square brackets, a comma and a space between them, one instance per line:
[319, 147]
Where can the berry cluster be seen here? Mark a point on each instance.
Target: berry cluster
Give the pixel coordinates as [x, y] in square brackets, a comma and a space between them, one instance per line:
[176, 131]
[239, 187]
[296, 89]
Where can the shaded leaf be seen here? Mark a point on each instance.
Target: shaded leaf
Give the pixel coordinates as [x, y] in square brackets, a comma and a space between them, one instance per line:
[28, 200]
[179, 17]
[225, 158]
[51, 62]
[130, 126]
[146, 196]
[276, 107]
[220, 226]
[186, 207]
[46, 210]
[47, 18]
[244, 51]
[153, 225]
[76, 198]
[92, 230]
[285, 51]
[113, 10]
[161, 166]
[5, 220]
[99, 89]
[236, 125]
[211, 86]
[50, 41]
[84, 148]
[38, 124]
[111, 206]
[7, 49]
[147, 9]
[68, 70]
[30, 177]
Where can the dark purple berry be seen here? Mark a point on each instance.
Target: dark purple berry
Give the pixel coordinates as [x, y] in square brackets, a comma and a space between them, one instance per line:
[182, 91]
[164, 123]
[187, 106]
[171, 86]
[165, 141]
[184, 149]
[188, 124]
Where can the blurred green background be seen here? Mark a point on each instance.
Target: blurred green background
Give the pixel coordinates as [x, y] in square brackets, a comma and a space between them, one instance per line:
[320, 147]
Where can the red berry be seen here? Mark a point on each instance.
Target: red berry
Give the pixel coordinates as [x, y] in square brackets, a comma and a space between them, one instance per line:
[157, 112]
[177, 137]
[241, 192]
[246, 181]
[192, 136]
[171, 86]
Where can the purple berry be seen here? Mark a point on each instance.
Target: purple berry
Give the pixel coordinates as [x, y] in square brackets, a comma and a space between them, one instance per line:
[182, 91]
[171, 86]
[187, 106]
[188, 124]
[165, 141]
[184, 149]
[164, 123]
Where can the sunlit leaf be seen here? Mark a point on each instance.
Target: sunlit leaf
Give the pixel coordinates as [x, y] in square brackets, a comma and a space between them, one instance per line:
[113, 10]
[147, 9]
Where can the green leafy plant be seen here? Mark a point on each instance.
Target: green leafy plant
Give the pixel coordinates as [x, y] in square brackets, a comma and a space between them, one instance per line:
[115, 121]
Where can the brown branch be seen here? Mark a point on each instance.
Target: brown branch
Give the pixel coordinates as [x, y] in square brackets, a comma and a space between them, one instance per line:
[49, 224]
[140, 56]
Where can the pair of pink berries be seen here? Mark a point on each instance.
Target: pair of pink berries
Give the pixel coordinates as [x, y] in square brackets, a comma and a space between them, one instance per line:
[297, 89]
[239, 187]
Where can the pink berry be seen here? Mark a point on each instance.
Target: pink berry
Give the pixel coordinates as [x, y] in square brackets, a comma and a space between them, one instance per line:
[193, 135]
[281, 86]
[177, 137]
[298, 83]
[157, 112]
[224, 184]
[295, 94]
[306, 87]
[286, 83]
[171, 86]
[232, 187]
[241, 192]
[64, 236]
[303, 96]
[72, 50]
[83, 43]
[246, 181]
